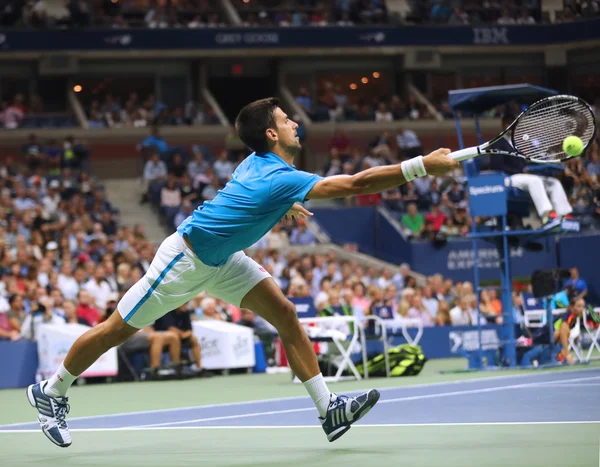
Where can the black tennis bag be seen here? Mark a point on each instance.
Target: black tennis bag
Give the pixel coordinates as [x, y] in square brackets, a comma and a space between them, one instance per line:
[405, 360]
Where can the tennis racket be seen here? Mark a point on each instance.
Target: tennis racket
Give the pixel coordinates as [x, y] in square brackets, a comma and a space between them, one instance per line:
[538, 133]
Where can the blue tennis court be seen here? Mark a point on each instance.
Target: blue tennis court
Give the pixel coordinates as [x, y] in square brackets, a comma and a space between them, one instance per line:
[540, 412]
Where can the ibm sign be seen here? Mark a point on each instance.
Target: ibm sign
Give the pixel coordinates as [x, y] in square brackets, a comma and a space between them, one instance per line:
[487, 195]
[490, 36]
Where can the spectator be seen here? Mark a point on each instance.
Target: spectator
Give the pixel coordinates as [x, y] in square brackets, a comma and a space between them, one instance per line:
[209, 309]
[443, 315]
[303, 99]
[413, 221]
[186, 210]
[577, 283]
[16, 314]
[155, 172]
[301, 235]
[525, 18]
[506, 18]
[383, 114]
[436, 217]
[176, 166]
[198, 166]
[99, 288]
[461, 314]
[223, 168]
[170, 199]
[39, 314]
[408, 143]
[420, 312]
[430, 302]
[86, 313]
[15, 113]
[458, 17]
[155, 141]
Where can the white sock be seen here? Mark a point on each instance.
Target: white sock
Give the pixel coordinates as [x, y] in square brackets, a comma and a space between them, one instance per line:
[59, 383]
[319, 392]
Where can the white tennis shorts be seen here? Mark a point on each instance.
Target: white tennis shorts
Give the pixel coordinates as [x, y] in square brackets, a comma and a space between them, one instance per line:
[176, 276]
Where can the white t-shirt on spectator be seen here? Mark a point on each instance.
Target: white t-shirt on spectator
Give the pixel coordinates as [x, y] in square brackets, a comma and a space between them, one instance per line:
[100, 292]
[382, 282]
[12, 117]
[431, 304]
[277, 240]
[68, 286]
[50, 205]
[4, 306]
[460, 317]
[223, 169]
[408, 139]
[170, 197]
[383, 116]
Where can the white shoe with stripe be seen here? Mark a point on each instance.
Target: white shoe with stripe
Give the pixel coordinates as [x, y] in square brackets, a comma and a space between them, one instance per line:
[343, 411]
[51, 414]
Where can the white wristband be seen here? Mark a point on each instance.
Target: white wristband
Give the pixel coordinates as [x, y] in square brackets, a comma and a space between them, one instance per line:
[413, 168]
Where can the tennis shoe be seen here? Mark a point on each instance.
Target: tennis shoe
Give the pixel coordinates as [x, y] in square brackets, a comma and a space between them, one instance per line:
[51, 414]
[343, 411]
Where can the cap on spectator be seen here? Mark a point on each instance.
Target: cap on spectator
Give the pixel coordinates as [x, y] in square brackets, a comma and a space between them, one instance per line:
[52, 245]
[83, 258]
[54, 184]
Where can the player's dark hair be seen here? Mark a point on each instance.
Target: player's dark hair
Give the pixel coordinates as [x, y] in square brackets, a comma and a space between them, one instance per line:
[574, 300]
[253, 121]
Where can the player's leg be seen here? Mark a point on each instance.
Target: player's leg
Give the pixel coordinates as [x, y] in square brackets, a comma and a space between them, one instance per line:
[534, 185]
[244, 283]
[173, 342]
[562, 336]
[558, 196]
[49, 396]
[195, 345]
[157, 344]
[267, 300]
[171, 280]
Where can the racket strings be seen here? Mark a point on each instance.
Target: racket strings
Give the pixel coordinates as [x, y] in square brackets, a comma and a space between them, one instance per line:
[540, 131]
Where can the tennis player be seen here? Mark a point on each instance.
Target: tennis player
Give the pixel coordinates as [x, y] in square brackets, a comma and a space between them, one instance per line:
[206, 253]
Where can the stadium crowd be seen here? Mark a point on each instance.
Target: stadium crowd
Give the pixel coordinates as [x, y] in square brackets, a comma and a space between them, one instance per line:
[134, 111]
[122, 14]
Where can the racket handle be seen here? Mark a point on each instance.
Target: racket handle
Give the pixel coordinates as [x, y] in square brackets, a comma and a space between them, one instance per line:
[464, 154]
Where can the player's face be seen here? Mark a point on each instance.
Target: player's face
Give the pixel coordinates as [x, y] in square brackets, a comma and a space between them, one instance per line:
[578, 307]
[286, 132]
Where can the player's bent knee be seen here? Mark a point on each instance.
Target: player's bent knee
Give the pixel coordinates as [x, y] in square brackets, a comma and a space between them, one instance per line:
[287, 315]
[115, 331]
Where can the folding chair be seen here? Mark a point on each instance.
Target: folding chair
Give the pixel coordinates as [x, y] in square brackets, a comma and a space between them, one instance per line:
[537, 319]
[321, 334]
[594, 333]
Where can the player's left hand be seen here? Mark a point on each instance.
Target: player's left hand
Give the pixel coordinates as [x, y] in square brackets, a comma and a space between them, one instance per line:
[298, 211]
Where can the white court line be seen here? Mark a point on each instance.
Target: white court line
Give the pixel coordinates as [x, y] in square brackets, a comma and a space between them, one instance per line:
[293, 427]
[386, 401]
[559, 372]
[570, 385]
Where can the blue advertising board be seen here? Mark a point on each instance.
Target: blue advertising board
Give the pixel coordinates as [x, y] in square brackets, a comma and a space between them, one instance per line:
[487, 195]
[456, 259]
[236, 38]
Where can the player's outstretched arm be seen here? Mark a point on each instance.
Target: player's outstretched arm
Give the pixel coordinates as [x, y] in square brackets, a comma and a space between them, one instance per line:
[377, 179]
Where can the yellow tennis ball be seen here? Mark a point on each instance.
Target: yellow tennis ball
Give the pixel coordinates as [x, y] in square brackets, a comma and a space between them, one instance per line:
[573, 145]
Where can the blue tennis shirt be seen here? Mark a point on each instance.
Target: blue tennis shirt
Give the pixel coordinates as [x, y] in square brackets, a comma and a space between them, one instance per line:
[262, 190]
